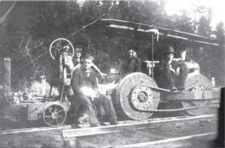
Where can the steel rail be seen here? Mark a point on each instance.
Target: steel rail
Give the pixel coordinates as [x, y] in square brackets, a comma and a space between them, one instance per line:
[69, 132]
[164, 141]
[31, 130]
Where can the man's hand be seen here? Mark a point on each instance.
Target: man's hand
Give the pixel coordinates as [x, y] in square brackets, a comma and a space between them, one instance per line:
[177, 71]
[112, 85]
[170, 66]
[94, 95]
[103, 74]
[67, 82]
[89, 92]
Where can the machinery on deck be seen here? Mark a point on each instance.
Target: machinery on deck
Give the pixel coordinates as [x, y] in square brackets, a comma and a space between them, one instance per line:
[138, 95]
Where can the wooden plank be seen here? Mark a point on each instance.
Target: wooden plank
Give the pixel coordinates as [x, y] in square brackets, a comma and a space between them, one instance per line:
[121, 24]
[194, 96]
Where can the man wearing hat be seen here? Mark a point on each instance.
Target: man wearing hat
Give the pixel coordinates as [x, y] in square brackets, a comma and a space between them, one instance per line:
[134, 62]
[175, 72]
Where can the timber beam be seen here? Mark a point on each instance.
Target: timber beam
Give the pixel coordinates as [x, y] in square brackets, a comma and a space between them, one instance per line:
[194, 96]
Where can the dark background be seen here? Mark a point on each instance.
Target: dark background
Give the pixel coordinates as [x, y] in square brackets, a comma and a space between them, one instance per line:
[28, 28]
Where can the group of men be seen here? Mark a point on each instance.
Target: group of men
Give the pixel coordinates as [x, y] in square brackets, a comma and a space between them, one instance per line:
[174, 71]
[83, 76]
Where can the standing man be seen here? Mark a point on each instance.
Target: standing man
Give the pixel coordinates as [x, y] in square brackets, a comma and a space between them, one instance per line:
[175, 72]
[85, 87]
[134, 62]
[78, 54]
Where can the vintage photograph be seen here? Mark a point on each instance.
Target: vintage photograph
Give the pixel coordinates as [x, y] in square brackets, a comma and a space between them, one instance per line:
[112, 73]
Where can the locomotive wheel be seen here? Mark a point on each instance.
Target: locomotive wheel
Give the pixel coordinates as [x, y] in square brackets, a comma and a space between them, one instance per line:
[133, 93]
[57, 45]
[54, 115]
[201, 83]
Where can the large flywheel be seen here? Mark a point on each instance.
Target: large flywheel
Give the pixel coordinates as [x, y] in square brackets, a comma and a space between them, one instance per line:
[54, 114]
[58, 45]
[199, 83]
[134, 93]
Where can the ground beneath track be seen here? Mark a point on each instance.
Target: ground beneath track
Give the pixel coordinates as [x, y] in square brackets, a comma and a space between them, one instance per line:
[155, 132]
[54, 138]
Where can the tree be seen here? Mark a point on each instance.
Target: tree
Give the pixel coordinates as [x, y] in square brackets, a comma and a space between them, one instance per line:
[30, 27]
[204, 27]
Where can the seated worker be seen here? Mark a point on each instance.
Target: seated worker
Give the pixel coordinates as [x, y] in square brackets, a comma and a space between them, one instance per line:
[85, 86]
[175, 72]
[71, 65]
[134, 62]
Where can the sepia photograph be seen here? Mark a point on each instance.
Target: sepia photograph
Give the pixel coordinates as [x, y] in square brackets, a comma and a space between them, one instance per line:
[112, 74]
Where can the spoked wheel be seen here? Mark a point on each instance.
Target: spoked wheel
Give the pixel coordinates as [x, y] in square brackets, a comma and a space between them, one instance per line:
[60, 44]
[134, 94]
[54, 115]
[199, 83]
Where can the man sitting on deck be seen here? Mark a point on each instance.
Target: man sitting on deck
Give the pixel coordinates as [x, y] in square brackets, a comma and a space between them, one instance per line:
[85, 86]
[175, 72]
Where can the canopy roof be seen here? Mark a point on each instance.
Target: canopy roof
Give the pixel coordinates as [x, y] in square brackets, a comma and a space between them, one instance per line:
[163, 32]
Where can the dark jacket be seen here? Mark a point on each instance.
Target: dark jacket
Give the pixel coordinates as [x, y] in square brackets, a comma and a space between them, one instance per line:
[134, 65]
[80, 79]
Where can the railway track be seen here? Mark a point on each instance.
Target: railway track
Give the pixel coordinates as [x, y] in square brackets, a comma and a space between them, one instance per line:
[164, 142]
[69, 132]
[81, 134]
[131, 134]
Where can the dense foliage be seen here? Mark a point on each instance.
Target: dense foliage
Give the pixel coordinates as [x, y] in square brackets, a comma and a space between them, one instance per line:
[30, 27]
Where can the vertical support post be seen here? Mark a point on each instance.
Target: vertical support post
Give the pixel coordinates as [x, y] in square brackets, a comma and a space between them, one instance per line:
[152, 67]
[62, 75]
[7, 79]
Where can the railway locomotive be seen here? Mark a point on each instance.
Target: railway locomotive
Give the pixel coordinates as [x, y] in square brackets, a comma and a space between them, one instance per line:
[138, 95]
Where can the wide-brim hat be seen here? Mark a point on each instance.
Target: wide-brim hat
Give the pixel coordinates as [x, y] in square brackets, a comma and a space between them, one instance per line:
[170, 49]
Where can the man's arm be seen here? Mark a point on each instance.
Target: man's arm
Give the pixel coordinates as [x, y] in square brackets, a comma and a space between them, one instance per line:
[138, 65]
[75, 67]
[98, 70]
